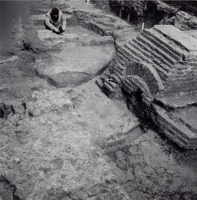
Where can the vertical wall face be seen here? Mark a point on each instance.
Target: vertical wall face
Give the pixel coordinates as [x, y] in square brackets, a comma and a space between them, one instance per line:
[103, 4]
[152, 12]
[137, 12]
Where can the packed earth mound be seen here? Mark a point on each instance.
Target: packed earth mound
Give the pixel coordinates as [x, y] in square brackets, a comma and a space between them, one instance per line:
[61, 137]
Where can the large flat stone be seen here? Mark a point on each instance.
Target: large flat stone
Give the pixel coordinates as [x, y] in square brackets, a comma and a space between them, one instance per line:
[80, 63]
[174, 33]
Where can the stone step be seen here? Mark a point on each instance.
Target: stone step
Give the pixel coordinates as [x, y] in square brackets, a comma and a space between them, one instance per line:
[122, 58]
[119, 60]
[157, 50]
[182, 44]
[108, 87]
[162, 69]
[119, 68]
[149, 55]
[168, 46]
[99, 82]
[129, 86]
[163, 47]
[104, 76]
[163, 74]
[170, 39]
[181, 39]
[179, 134]
[128, 57]
[125, 58]
[118, 73]
[122, 67]
[116, 69]
[129, 82]
[134, 52]
[115, 78]
[132, 45]
[112, 84]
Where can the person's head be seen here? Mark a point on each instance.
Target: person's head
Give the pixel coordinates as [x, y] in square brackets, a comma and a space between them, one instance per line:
[55, 12]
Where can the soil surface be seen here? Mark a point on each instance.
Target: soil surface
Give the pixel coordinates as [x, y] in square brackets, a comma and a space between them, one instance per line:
[61, 138]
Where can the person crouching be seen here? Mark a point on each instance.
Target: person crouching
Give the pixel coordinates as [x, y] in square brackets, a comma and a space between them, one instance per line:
[55, 21]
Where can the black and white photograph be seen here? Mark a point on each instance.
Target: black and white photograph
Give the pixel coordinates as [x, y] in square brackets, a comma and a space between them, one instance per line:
[98, 100]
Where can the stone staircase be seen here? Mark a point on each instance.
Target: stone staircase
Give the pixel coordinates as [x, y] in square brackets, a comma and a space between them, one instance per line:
[168, 50]
[161, 63]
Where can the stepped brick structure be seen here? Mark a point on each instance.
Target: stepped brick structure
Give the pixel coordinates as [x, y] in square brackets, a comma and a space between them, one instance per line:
[160, 63]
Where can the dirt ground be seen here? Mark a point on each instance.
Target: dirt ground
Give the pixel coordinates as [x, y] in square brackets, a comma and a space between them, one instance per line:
[61, 138]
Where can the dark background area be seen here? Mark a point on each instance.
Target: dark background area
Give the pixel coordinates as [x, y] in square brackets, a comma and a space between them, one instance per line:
[10, 13]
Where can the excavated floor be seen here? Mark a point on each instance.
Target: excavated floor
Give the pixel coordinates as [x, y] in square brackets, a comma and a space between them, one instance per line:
[70, 141]
[80, 54]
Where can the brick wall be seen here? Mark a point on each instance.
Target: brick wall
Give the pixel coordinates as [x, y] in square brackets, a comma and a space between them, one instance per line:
[145, 72]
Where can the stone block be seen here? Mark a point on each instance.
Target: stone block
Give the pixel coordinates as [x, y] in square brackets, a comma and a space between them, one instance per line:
[19, 108]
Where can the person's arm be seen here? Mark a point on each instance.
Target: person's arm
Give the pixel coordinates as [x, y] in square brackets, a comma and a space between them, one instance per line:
[50, 25]
[63, 23]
